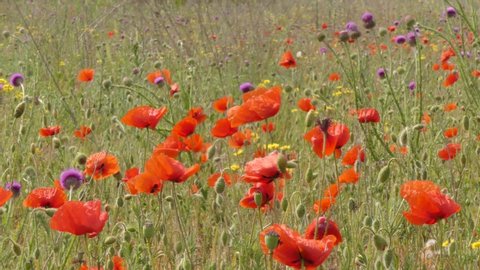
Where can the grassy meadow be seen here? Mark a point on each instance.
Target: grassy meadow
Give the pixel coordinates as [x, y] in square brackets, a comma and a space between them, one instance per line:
[217, 134]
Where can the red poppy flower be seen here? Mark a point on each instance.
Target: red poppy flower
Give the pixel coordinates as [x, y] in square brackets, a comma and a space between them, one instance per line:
[86, 75]
[221, 105]
[355, 153]
[194, 143]
[447, 54]
[449, 151]
[144, 117]
[337, 136]
[329, 198]
[5, 195]
[80, 218]
[197, 114]
[451, 79]
[147, 182]
[118, 263]
[267, 191]
[185, 127]
[128, 179]
[450, 132]
[101, 165]
[212, 180]
[49, 131]
[450, 107]
[164, 73]
[264, 169]
[268, 127]
[223, 128]
[239, 139]
[169, 169]
[294, 251]
[82, 132]
[334, 77]
[349, 176]
[476, 73]
[171, 146]
[305, 104]
[258, 105]
[287, 60]
[46, 197]
[427, 203]
[321, 227]
[368, 115]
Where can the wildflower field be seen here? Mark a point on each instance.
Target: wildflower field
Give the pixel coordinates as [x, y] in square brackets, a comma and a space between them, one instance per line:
[240, 134]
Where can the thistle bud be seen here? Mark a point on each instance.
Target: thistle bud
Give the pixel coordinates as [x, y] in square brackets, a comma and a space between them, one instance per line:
[81, 158]
[107, 84]
[321, 37]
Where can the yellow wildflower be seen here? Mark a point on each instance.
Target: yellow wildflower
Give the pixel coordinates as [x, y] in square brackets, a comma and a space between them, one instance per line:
[238, 153]
[273, 146]
[294, 110]
[447, 243]
[285, 147]
[234, 167]
[476, 245]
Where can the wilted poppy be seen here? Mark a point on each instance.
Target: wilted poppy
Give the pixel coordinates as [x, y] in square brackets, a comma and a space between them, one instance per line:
[101, 165]
[368, 115]
[221, 105]
[287, 60]
[305, 104]
[321, 227]
[86, 75]
[80, 218]
[82, 132]
[185, 127]
[49, 131]
[446, 55]
[264, 169]
[46, 197]
[427, 203]
[144, 117]
[295, 251]
[449, 151]
[258, 105]
[168, 169]
[5, 195]
[337, 135]
[353, 154]
[223, 128]
[266, 190]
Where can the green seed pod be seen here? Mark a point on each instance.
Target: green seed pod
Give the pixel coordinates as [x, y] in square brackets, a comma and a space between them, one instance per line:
[284, 204]
[466, 122]
[300, 210]
[109, 240]
[384, 174]
[220, 185]
[388, 258]
[288, 88]
[307, 92]
[403, 137]
[380, 242]
[310, 118]
[148, 230]
[258, 199]
[19, 110]
[271, 240]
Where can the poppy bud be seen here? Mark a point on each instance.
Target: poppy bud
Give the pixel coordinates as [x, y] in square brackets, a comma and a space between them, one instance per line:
[375, 225]
[107, 84]
[56, 143]
[282, 163]
[119, 202]
[16, 249]
[148, 230]
[37, 253]
[288, 88]
[258, 199]
[380, 242]
[394, 138]
[157, 64]
[109, 240]
[403, 137]
[300, 211]
[321, 37]
[310, 118]
[169, 199]
[284, 204]
[224, 238]
[309, 176]
[219, 200]
[211, 152]
[466, 122]
[388, 258]
[19, 109]
[384, 174]
[220, 185]
[463, 159]
[271, 240]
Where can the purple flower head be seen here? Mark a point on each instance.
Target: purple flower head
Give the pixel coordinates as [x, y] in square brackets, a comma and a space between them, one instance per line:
[323, 50]
[456, 29]
[15, 187]
[412, 85]
[71, 179]
[451, 12]
[16, 79]
[400, 39]
[351, 26]
[367, 17]
[246, 87]
[412, 38]
[159, 81]
[396, 23]
[381, 73]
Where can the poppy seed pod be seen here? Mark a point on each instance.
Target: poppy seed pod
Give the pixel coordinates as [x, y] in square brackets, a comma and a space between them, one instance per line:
[258, 199]
[271, 240]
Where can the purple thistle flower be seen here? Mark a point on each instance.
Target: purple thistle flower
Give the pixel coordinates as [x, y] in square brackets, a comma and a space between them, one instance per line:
[352, 27]
[400, 39]
[381, 73]
[246, 87]
[159, 81]
[15, 187]
[367, 17]
[323, 50]
[451, 12]
[412, 38]
[396, 23]
[71, 179]
[16, 79]
[412, 85]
